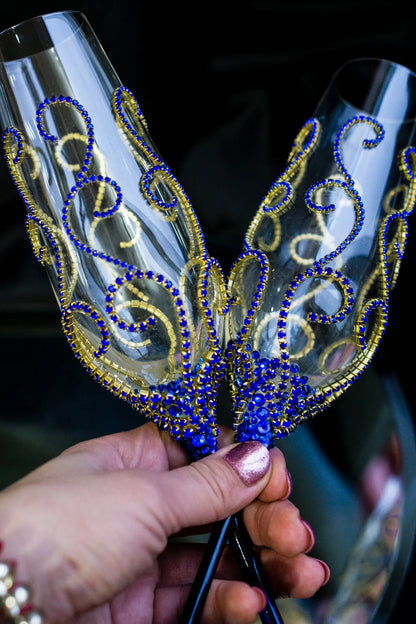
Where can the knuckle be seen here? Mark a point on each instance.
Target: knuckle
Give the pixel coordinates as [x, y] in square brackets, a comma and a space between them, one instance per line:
[284, 530]
[295, 534]
[213, 483]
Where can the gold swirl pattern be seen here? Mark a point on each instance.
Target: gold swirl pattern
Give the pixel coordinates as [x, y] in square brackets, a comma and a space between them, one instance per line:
[124, 102]
[271, 319]
[138, 309]
[262, 261]
[281, 193]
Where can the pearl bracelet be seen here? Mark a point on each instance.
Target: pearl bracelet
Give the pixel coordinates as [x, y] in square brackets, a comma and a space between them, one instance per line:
[15, 607]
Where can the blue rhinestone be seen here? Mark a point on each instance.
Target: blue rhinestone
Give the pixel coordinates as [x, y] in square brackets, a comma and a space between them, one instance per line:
[198, 440]
[262, 413]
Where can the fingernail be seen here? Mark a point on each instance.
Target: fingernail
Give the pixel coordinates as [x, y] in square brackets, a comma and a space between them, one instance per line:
[263, 597]
[250, 460]
[311, 535]
[289, 485]
[326, 570]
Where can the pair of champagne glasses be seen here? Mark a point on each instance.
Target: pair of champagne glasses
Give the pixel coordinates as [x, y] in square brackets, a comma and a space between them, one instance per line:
[148, 311]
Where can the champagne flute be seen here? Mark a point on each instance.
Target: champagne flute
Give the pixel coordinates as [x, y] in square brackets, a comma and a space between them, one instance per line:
[141, 300]
[323, 253]
[311, 290]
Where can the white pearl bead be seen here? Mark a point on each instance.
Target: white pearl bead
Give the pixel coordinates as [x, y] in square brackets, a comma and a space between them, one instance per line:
[12, 606]
[21, 594]
[34, 618]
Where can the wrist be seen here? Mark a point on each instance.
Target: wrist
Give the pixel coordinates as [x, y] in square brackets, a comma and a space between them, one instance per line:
[29, 557]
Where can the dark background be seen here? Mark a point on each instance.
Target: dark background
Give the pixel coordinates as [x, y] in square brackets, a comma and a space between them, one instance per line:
[225, 88]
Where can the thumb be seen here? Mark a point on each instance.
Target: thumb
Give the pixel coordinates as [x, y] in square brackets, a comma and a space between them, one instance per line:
[215, 487]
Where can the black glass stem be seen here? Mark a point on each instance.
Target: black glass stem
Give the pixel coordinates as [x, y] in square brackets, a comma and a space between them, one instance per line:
[251, 567]
[206, 571]
[233, 530]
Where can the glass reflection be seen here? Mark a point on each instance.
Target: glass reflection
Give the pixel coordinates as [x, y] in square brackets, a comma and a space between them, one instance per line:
[354, 486]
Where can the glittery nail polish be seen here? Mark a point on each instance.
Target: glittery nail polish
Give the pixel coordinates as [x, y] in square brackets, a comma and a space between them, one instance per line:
[250, 460]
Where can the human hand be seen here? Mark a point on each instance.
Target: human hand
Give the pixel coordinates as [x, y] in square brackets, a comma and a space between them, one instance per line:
[90, 530]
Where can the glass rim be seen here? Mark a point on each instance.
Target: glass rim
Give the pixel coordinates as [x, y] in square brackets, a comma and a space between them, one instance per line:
[337, 82]
[370, 59]
[38, 18]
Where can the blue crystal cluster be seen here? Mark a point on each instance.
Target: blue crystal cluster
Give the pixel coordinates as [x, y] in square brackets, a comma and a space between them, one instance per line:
[270, 397]
[186, 409]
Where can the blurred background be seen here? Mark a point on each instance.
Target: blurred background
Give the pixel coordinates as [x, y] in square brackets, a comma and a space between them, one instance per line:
[225, 87]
